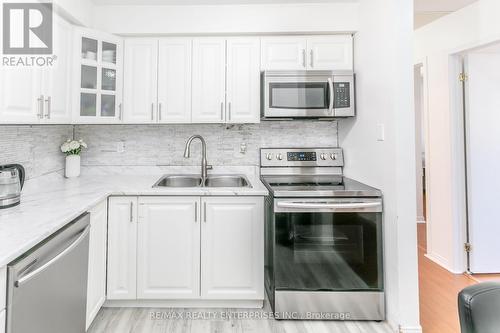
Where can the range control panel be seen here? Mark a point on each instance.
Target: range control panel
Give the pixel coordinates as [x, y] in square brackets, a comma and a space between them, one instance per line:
[300, 157]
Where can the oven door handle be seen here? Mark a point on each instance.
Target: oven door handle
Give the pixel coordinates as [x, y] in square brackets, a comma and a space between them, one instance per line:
[332, 96]
[351, 206]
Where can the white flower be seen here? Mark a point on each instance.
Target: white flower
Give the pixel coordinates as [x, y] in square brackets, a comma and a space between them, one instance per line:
[74, 145]
[83, 144]
[65, 147]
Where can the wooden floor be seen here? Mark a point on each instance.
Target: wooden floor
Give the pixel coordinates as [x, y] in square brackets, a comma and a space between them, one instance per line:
[438, 292]
[138, 320]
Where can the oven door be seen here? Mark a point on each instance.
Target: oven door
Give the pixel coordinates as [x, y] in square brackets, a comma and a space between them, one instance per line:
[327, 244]
[298, 96]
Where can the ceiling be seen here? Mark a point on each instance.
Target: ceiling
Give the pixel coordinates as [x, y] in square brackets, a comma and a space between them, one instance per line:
[208, 2]
[427, 11]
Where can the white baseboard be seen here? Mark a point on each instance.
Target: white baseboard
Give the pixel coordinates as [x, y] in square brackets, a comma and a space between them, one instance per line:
[441, 262]
[410, 329]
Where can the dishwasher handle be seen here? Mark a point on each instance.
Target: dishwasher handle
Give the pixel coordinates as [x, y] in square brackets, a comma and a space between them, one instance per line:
[49, 263]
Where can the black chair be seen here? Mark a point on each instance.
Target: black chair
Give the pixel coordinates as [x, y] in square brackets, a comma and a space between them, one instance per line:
[479, 308]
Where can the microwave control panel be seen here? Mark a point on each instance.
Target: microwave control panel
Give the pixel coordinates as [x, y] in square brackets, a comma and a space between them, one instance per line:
[342, 91]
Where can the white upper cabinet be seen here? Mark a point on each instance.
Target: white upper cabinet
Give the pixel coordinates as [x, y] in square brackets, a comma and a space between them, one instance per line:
[174, 80]
[20, 95]
[280, 53]
[122, 248]
[40, 95]
[208, 98]
[243, 80]
[232, 248]
[140, 80]
[333, 52]
[168, 248]
[98, 77]
[56, 87]
[330, 52]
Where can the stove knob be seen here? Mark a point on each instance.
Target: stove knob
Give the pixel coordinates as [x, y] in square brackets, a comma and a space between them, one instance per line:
[269, 156]
[333, 156]
[323, 156]
[279, 157]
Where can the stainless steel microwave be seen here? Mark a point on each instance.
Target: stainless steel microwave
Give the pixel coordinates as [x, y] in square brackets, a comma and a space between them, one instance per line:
[307, 94]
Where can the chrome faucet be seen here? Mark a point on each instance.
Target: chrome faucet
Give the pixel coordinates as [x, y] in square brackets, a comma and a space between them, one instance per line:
[204, 166]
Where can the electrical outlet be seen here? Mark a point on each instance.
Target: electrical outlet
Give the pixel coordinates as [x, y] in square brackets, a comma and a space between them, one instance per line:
[120, 147]
[380, 132]
[243, 148]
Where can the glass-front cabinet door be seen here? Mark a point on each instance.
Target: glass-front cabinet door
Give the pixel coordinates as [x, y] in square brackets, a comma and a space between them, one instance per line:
[99, 73]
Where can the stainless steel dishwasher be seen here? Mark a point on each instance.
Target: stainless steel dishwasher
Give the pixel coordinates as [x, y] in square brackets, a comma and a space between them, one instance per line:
[47, 286]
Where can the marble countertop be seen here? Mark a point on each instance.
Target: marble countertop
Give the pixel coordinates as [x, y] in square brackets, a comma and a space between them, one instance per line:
[51, 201]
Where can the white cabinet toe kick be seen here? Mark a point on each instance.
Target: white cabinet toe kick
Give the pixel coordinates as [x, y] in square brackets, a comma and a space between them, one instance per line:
[185, 303]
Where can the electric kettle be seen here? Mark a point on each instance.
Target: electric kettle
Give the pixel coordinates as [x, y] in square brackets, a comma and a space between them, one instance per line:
[11, 184]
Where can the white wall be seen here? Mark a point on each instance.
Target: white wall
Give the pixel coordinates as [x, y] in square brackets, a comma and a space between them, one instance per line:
[469, 27]
[383, 62]
[79, 12]
[160, 20]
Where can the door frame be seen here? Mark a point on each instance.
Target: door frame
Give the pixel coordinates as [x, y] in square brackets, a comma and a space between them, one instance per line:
[425, 124]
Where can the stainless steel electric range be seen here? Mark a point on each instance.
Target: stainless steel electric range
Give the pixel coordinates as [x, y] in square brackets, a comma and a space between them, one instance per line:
[323, 238]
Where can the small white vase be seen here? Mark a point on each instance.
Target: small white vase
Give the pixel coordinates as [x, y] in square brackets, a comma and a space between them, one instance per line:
[72, 166]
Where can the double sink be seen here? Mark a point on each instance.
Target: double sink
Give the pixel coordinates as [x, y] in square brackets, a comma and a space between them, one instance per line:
[213, 181]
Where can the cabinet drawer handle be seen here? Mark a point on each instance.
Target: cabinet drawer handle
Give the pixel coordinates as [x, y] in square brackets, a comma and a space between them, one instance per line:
[205, 212]
[196, 211]
[131, 211]
[49, 107]
[40, 106]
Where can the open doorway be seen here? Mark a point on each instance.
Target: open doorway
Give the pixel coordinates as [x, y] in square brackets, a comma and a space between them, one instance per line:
[419, 95]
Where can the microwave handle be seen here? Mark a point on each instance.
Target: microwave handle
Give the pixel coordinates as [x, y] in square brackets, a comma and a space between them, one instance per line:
[332, 96]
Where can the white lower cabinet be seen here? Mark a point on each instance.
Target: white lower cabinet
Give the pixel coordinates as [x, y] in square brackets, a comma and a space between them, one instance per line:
[188, 248]
[122, 248]
[232, 248]
[96, 286]
[2, 321]
[168, 251]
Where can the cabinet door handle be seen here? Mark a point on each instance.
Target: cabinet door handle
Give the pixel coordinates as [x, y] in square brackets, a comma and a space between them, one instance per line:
[40, 106]
[159, 111]
[120, 113]
[205, 212]
[152, 111]
[229, 111]
[196, 211]
[49, 107]
[131, 211]
[304, 58]
[312, 58]
[221, 110]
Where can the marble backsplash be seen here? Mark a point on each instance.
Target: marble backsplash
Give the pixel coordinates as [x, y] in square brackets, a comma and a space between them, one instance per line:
[164, 144]
[35, 147]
